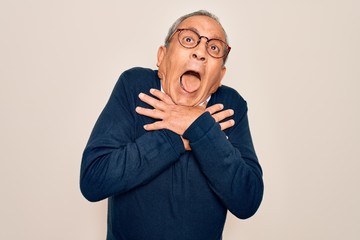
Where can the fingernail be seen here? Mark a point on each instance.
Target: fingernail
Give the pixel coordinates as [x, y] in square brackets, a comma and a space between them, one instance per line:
[141, 95]
[152, 90]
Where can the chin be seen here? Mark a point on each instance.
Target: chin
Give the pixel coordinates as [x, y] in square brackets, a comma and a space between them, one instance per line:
[186, 99]
[184, 102]
[187, 103]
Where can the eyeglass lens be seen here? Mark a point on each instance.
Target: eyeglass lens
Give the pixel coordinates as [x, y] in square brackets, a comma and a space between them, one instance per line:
[190, 39]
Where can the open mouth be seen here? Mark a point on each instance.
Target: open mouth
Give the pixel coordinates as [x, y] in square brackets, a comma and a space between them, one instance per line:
[190, 81]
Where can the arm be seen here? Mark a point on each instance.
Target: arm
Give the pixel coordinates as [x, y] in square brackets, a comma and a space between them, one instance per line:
[231, 167]
[115, 160]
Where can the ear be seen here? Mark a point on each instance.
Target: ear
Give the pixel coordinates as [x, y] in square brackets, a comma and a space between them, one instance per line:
[160, 55]
[218, 84]
[222, 74]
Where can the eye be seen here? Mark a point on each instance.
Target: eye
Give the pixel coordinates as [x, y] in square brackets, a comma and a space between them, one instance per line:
[215, 48]
[188, 40]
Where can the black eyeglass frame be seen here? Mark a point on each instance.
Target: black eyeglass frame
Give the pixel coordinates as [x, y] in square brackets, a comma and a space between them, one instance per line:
[228, 48]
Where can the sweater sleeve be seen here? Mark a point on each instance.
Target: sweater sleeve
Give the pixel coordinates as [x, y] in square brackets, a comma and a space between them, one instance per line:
[228, 162]
[115, 160]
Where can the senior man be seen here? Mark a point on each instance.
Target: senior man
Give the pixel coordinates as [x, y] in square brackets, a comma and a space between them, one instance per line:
[172, 149]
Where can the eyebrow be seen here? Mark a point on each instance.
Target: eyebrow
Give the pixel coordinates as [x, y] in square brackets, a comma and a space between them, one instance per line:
[215, 36]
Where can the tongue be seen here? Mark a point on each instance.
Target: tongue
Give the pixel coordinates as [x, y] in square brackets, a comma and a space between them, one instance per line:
[189, 82]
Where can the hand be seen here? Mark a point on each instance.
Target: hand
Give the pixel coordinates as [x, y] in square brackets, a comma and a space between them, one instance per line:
[219, 114]
[174, 117]
[178, 118]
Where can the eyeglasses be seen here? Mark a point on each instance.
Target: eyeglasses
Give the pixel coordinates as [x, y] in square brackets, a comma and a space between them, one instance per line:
[190, 39]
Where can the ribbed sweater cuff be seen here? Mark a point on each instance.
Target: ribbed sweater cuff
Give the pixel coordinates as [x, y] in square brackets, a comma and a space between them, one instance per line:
[175, 141]
[199, 127]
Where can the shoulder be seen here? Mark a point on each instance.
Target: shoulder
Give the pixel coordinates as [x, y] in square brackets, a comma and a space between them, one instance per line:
[229, 97]
[138, 75]
[138, 79]
[138, 72]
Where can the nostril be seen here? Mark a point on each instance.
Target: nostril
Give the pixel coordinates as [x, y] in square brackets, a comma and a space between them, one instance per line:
[196, 56]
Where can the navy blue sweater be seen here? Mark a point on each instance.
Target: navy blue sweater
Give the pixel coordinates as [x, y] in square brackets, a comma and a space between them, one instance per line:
[156, 189]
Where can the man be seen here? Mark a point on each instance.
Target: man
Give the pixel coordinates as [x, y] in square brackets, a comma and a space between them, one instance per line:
[172, 149]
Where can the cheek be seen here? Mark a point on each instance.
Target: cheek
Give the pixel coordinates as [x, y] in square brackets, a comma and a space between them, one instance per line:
[215, 83]
[217, 74]
[161, 74]
[214, 86]
[165, 68]
[169, 72]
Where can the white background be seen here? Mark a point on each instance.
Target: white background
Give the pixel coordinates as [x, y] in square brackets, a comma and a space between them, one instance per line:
[295, 62]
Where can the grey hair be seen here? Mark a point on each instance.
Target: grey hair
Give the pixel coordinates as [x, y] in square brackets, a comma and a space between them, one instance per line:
[174, 27]
[176, 24]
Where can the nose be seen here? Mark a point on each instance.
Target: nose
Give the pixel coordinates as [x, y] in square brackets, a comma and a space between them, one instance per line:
[199, 52]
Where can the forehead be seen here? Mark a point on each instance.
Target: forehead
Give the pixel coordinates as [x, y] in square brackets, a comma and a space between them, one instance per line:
[204, 25]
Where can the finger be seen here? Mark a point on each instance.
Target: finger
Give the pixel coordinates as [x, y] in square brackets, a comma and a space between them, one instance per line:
[154, 126]
[152, 101]
[161, 95]
[186, 144]
[227, 124]
[222, 115]
[215, 108]
[153, 113]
